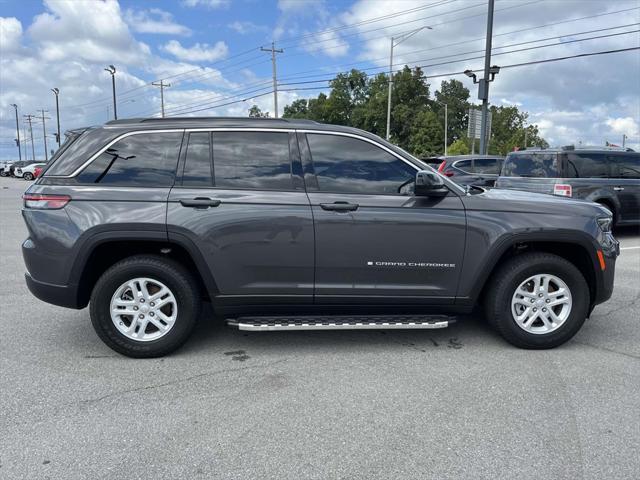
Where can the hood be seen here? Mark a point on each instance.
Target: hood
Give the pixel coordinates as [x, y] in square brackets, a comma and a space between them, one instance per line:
[498, 199]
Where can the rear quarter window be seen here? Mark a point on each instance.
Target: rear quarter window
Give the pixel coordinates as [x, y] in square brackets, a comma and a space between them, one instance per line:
[541, 165]
[588, 165]
[76, 150]
[143, 160]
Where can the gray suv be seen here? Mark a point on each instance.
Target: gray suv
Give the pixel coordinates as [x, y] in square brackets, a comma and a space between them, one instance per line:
[607, 175]
[296, 225]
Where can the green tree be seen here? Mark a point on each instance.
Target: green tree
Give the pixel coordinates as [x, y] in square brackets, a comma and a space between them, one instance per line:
[456, 96]
[255, 112]
[508, 126]
[297, 109]
[427, 137]
[459, 147]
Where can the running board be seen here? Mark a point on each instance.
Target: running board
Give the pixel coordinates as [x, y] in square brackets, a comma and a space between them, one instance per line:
[334, 322]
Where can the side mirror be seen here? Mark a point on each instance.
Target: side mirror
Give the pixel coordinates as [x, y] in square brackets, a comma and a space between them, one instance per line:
[429, 184]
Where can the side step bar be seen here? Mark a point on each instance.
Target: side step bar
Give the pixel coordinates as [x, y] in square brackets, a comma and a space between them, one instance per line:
[334, 322]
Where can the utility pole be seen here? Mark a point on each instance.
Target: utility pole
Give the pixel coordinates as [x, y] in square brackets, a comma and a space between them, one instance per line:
[275, 76]
[395, 41]
[17, 132]
[112, 70]
[624, 139]
[33, 148]
[56, 92]
[44, 134]
[162, 86]
[483, 87]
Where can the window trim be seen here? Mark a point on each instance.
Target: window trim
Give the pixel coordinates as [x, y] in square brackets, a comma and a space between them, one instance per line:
[451, 185]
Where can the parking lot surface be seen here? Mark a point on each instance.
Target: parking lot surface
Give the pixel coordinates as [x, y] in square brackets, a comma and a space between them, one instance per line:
[452, 403]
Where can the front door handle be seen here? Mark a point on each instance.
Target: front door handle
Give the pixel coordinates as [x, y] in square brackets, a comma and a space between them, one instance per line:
[200, 202]
[339, 206]
[618, 189]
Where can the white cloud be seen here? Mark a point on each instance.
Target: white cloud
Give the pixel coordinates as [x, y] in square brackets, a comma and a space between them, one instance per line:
[205, 3]
[198, 52]
[154, 20]
[625, 125]
[10, 34]
[244, 28]
[93, 31]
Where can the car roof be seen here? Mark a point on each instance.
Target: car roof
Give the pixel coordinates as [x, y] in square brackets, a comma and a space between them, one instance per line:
[223, 122]
[469, 157]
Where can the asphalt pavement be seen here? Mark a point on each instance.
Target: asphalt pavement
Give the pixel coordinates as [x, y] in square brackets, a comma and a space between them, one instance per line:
[452, 403]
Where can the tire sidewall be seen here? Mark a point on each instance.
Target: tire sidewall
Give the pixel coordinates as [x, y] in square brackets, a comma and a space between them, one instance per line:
[28, 177]
[101, 307]
[579, 308]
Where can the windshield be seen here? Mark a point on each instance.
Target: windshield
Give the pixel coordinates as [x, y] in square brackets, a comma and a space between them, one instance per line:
[540, 165]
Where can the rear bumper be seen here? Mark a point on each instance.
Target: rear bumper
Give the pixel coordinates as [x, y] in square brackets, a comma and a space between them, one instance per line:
[61, 295]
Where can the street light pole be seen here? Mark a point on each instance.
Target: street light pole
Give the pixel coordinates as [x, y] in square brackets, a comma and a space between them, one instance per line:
[112, 70]
[395, 41]
[483, 88]
[17, 132]
[56, 92]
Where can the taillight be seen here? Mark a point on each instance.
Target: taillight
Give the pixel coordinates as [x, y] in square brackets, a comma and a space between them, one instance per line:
[43, 201]
[562, 189]
[448, 174]
[441, 166]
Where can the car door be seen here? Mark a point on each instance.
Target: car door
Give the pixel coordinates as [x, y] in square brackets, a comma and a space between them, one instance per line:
[626, 184]
[375, 241]
[240, 201]
[487, 170]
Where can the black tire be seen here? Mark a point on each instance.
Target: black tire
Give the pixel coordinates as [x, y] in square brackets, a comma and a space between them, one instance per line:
[508, 277]
[170, 273]
[28, 176]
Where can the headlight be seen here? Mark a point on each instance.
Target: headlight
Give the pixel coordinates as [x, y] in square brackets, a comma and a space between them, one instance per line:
[605, 223]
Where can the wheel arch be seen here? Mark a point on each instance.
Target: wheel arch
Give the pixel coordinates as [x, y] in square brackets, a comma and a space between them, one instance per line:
[105, 249]
[577, 248]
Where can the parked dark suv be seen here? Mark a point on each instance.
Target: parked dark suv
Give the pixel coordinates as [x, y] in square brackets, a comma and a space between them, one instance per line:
[290, 225]
[478, 170]
[607, 175]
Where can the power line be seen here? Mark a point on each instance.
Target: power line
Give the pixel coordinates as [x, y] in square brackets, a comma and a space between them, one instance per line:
[437, 47]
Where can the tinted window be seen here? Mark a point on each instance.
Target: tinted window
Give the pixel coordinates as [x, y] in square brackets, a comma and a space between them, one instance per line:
[531, 165]
[197, 167]
[257, 160]
[587, 165]
[464, 165]
[77, 149]
[146, 160]
[487, 165]
[628, 165]
[349, 165]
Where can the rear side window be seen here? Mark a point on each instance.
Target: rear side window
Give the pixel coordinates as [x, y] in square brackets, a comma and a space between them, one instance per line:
[197, 167]
[628, 165]
[531, 165]
[142, 160]
[479, 165]
[587, 165]
[76, 150]
[252, 160]
[349, 165]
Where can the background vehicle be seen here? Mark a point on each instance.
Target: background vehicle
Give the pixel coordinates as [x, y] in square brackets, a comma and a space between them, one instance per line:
[28, 171]
[5, 168]
[606, 175]
[37, 171]
[290, 225]
[19, 164]
[480, 170]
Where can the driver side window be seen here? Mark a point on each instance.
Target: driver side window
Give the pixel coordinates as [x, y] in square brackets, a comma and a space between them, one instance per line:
[349, 165]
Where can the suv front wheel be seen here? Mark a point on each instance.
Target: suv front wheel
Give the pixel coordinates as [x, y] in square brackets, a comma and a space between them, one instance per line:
[145, 306]
[537, 300]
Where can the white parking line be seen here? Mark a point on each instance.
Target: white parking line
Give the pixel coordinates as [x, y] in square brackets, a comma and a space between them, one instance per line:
[630, 248]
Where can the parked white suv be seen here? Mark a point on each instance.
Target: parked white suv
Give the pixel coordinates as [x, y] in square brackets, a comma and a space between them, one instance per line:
[28, 171]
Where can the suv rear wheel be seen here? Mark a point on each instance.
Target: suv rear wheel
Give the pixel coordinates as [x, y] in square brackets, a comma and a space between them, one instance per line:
[537, 300]
[145, 306]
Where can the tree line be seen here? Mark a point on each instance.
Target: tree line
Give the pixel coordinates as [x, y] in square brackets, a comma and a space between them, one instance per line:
[417, 119]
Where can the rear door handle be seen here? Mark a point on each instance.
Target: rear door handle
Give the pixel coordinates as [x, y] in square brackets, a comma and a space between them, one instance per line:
[200, 202]
[339, 206]
[618, 189]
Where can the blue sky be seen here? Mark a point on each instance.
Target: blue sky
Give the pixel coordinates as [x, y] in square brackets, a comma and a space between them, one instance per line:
[209, 51]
